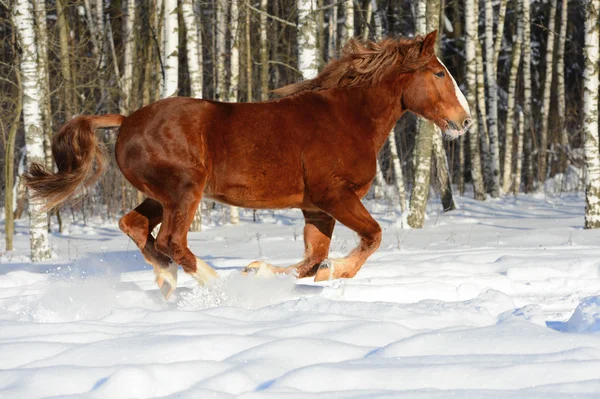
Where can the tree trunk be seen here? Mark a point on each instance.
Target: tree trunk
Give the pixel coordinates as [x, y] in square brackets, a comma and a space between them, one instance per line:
[519, 153]
[170, 43]
[461, 165]
[590, 115]
[349, 19]
[482, 114]
[222, 94]
[424, 140]
[510, 109]
[31, 80]
[128, 54]
[249, 77]
[490, 70]
[560, 90]
[470, 46]
[9, 167]
[499, 34]
[542, 154]
[264, 52]
[65, 65]
[234, 62]
[527, 129]
[42, 40]
[194, 47]
[194, 62]
[332, 51]
[308, 56]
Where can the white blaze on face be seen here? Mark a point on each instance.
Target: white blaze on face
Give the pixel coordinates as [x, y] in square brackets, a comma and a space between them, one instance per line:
[459, 95]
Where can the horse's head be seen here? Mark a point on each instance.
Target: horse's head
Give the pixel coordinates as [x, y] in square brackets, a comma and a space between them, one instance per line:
[432, 93]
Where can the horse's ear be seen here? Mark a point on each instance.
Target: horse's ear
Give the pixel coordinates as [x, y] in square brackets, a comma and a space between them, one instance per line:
[428, 46]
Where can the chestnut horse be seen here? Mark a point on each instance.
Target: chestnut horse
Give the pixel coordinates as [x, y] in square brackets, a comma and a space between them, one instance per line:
[314, 149]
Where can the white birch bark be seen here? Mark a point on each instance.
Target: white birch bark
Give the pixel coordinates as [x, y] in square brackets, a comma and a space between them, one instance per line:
[234, 62]
[308, 55]
[128, 54]
[527, 129]
[519, 154]
[333, 31]
[590, 114]
[170, 42]
[542, 154]
[194, 61]
[32, 118]
[482, 110]
[42, 41]
[470, 46]
[490, 70]
[194, 47]
[222, 6]
[264, 52]
[560, 89]
[510, 109]
[349, 19]
[424, 141]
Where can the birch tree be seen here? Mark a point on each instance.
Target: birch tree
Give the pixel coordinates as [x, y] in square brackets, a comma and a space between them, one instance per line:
[170, 42]
[424, 140]
[65, 65]
[195, 68]
[560, 89]
[333, 31]
[519, 153]
[349, 18]
[32, 118]
[193, 47]
[510, 109]
[590, 114]
[221, 49]
[542, 154]
[527, 129]
[42, 41]
[264, 52]
[234, 63]
[308, 55]
[470, 47]
[490, 71]
[499, 34]
[129, 36]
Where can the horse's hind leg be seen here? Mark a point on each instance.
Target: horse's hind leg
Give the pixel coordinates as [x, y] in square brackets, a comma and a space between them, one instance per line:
[317, 237]
[138, 225]
[172, 237]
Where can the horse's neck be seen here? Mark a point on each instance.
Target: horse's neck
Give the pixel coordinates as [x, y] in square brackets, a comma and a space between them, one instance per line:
[378, 105]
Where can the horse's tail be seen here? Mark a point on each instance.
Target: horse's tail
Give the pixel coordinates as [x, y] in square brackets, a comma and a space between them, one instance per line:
[74, 148]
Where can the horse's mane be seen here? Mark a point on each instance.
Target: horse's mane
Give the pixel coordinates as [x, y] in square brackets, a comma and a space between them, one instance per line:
[365, 63]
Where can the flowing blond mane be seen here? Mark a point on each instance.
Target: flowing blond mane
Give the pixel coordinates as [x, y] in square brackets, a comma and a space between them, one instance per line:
[364, 63]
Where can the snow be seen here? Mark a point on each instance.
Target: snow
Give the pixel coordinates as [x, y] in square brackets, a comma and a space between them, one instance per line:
[499, 299]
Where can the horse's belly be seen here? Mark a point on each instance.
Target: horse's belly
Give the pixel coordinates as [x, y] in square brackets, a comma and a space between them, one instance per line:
[265, 195]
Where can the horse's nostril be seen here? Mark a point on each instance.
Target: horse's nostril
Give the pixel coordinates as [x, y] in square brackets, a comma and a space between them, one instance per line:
[452, 125]
[467, 122]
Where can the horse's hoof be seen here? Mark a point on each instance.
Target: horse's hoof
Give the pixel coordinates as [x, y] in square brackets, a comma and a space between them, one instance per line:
[204, 273]
[167, 280]
[259, 268]
[326, 271]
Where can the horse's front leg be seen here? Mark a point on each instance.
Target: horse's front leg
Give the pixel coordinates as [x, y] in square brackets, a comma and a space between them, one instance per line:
[317, 238]
[345, 206]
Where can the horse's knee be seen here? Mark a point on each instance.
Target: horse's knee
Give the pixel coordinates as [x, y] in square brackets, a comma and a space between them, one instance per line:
[372, 239]
[136, 227]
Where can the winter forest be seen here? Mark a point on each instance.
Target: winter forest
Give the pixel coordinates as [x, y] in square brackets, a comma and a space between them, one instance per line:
[63, 59]
[486, 283]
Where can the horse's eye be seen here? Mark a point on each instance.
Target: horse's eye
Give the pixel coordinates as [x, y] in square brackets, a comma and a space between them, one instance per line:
[440, 74]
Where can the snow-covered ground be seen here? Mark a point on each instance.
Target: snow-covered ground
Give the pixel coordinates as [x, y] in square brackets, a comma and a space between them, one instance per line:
[500, 299]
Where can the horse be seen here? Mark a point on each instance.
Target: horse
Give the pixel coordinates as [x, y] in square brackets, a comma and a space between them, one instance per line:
[313, 148]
